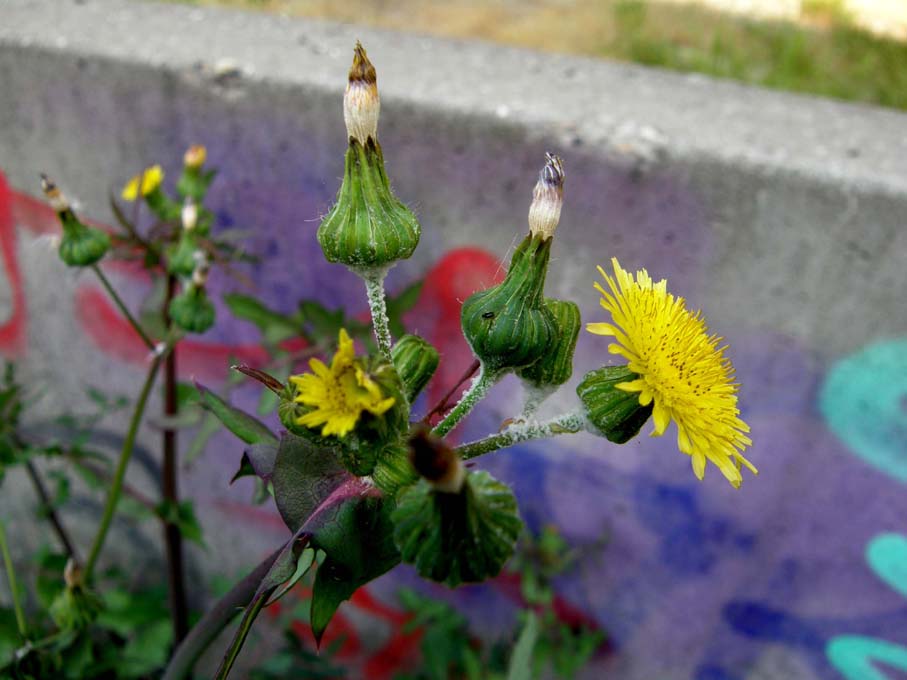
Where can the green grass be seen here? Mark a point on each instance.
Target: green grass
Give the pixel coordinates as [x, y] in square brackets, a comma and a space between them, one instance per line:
[825, 54]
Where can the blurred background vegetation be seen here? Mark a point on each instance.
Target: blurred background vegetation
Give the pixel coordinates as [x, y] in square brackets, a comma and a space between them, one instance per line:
[848, 49]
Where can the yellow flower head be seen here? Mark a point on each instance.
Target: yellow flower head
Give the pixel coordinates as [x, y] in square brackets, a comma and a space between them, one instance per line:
[339, 394]
[151, 179]
[681, 369]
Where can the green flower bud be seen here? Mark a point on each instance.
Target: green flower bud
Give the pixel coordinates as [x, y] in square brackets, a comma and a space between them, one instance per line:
[393, 471]
[508, 326]
[457, 537]
[368, 227]
[194, 182]
[556, 365]
[416, 361]
[615, 414]
[181, 256]
[191, 310]
[77, 606]
[80, 245]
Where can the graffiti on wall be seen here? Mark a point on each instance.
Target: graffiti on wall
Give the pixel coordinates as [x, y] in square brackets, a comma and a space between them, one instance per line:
[801, 574]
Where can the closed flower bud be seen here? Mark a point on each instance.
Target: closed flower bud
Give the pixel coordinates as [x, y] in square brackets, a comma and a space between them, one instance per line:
[416, 361]
[547, 198]
[77, 606]
[368, 228]
[181, 257]
[508, 326]
[613, 412]
[80, 245]
[556, 365]
[361, 103]
[191, 310]
[194, 181]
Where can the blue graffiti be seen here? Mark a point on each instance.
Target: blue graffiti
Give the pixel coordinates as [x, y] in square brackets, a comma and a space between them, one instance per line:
[864, 402]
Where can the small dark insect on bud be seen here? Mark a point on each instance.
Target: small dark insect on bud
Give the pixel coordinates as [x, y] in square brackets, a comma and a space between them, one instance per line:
[437, 462]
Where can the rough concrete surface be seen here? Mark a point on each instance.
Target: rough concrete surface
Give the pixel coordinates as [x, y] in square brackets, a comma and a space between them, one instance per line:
[781, 216]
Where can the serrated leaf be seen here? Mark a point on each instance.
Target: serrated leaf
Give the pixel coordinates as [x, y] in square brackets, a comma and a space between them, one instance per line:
[247, 427]
[457, 537]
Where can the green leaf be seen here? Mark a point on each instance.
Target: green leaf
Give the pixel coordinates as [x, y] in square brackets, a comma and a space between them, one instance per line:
[246, 427]
[258, 460]
[304, 476]
[521, 661]
[457, 537]
[182, 515]
[274, 326]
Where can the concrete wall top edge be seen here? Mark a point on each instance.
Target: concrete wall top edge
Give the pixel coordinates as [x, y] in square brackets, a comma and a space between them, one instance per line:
[605, 104]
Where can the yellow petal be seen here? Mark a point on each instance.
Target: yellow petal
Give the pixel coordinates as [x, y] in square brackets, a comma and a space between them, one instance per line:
[661, 417]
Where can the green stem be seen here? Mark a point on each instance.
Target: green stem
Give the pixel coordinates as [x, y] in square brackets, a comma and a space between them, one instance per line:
[211, 624]
[245, 625]
[149, 343]
[377, 303]
[476, 392]
[116, 488]
[13, 585]
[566, 423]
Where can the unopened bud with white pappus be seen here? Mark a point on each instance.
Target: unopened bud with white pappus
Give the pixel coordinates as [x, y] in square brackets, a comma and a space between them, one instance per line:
[191, 310]
[547, 198]
[80, 245]
[361, 103]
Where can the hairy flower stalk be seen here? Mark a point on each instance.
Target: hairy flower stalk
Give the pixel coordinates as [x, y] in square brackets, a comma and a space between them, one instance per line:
[368, 229]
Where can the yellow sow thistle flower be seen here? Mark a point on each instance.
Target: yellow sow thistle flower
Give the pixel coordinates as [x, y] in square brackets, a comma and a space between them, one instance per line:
[151, 179]
[681, 369]
[339, 394]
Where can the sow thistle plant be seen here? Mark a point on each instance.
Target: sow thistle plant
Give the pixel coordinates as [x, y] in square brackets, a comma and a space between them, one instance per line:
[364, 484]
[361, 481]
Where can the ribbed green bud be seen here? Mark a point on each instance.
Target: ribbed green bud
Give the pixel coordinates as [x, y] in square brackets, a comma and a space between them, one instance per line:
[556, 365]
[393, 471]
[77, 606]
[416, 361]
[368, 227]
[457, 537]
[191, 310]
[181, 256]
[615, 413]
[509, 326]
[80, 245]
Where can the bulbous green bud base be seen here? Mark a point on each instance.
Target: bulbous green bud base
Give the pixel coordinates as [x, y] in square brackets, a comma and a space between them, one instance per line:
[455, 538]
[368, 227]
[508, 326]
[82, 246]
[75, 608]
[556, 365]
[181, 257]
[616, 414]
[416, 361]
[192, 311]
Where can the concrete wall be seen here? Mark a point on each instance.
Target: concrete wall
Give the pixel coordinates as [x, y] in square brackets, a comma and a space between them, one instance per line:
[782, 217]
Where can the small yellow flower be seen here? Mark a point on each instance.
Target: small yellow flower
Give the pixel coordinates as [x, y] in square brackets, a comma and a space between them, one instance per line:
[195, 156]
[151, 179]
[681, 369]
[339, 394]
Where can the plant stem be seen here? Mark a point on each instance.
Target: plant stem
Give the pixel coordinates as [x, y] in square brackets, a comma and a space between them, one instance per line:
[566, 423]
[377, 303]
[211, 624]
[13, 585]
[245, 625]
[173, 539]
[51, 513]
[149, 343]
[442, 403]
[116, 488]
[476, 392]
